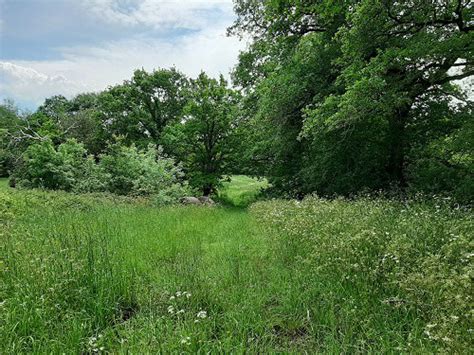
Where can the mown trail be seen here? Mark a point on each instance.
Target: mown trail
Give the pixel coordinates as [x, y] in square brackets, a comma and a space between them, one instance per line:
[128, 278]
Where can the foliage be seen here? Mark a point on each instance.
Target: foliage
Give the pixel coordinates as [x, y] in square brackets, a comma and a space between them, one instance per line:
[344, 91]
[204, 140]
[140, 108]
[444, 163]
[47, 167]
[122, 170]
[131, 171]
[9, 120]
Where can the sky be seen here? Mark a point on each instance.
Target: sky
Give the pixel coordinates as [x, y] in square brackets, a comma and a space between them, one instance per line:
[51, 47]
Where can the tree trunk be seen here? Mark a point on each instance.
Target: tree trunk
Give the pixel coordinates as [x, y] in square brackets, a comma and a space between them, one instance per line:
[397, 148]
[206, 190]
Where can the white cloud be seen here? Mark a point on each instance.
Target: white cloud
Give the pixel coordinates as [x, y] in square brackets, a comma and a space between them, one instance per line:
[156, 13]
[95, 68]
[29, 85]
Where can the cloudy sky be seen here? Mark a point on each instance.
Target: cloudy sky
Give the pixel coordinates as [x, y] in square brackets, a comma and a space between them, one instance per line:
[50, 47]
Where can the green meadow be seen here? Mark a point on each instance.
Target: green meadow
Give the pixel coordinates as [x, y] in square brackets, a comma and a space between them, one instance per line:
[102, 274]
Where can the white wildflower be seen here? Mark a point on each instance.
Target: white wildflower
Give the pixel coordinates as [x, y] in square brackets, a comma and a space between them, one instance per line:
[186, 341]
[202, 314]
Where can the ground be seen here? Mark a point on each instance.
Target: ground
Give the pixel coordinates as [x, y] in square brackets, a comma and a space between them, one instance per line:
[99, 274]
[218, 256]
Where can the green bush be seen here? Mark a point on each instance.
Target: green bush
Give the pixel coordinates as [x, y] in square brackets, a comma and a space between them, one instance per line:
[131, 171]
[44, 166]
[123, 171]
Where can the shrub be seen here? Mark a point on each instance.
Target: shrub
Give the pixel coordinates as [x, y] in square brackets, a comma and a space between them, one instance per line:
[123, 171]
[44, 166]
[141, 172]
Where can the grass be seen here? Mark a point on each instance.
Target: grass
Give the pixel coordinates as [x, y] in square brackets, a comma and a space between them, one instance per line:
[242, 190]
[3, 183]
[84, 274]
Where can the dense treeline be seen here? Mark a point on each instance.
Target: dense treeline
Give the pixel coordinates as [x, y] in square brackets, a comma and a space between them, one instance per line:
[333, 98]
[358, 95]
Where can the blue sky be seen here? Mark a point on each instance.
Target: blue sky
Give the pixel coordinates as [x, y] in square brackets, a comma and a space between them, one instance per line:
[50, 47]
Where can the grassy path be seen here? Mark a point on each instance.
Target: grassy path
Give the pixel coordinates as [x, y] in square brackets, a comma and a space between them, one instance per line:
[121, 278]
[85, 274]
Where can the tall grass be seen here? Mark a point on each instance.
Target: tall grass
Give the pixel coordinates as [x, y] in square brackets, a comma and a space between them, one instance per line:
[377, 274]
[102, 277]
[83, 274]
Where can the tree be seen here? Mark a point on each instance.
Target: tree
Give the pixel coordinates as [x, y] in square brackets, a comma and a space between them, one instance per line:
[289, 65]
[348, 85]
[205, 138]
[9, 123]
[83, 120]
[396, 56]
[140, 108]
[77, 118]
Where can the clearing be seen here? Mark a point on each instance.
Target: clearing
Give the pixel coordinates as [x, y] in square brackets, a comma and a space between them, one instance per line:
[95, 273]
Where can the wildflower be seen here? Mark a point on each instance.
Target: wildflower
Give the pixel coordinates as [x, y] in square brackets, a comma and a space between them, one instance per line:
[180, 311]
[186, 341]
[202, 314]
[172, 298]
[171, 309]
[178, 294]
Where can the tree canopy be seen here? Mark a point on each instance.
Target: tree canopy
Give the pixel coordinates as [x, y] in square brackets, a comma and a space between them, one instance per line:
[332, 97]
[350, 89]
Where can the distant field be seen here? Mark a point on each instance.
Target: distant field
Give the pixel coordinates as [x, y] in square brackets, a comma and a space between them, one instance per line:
[3, 183]
[241, 190]
[102, 274]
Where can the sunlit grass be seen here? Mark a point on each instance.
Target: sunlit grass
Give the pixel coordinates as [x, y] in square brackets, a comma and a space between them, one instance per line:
[3, 183]
[242, 190]
[82, 281]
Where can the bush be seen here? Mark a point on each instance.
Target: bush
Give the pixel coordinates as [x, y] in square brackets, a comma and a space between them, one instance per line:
[44, 166]
[131, 171]
[123, 171]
